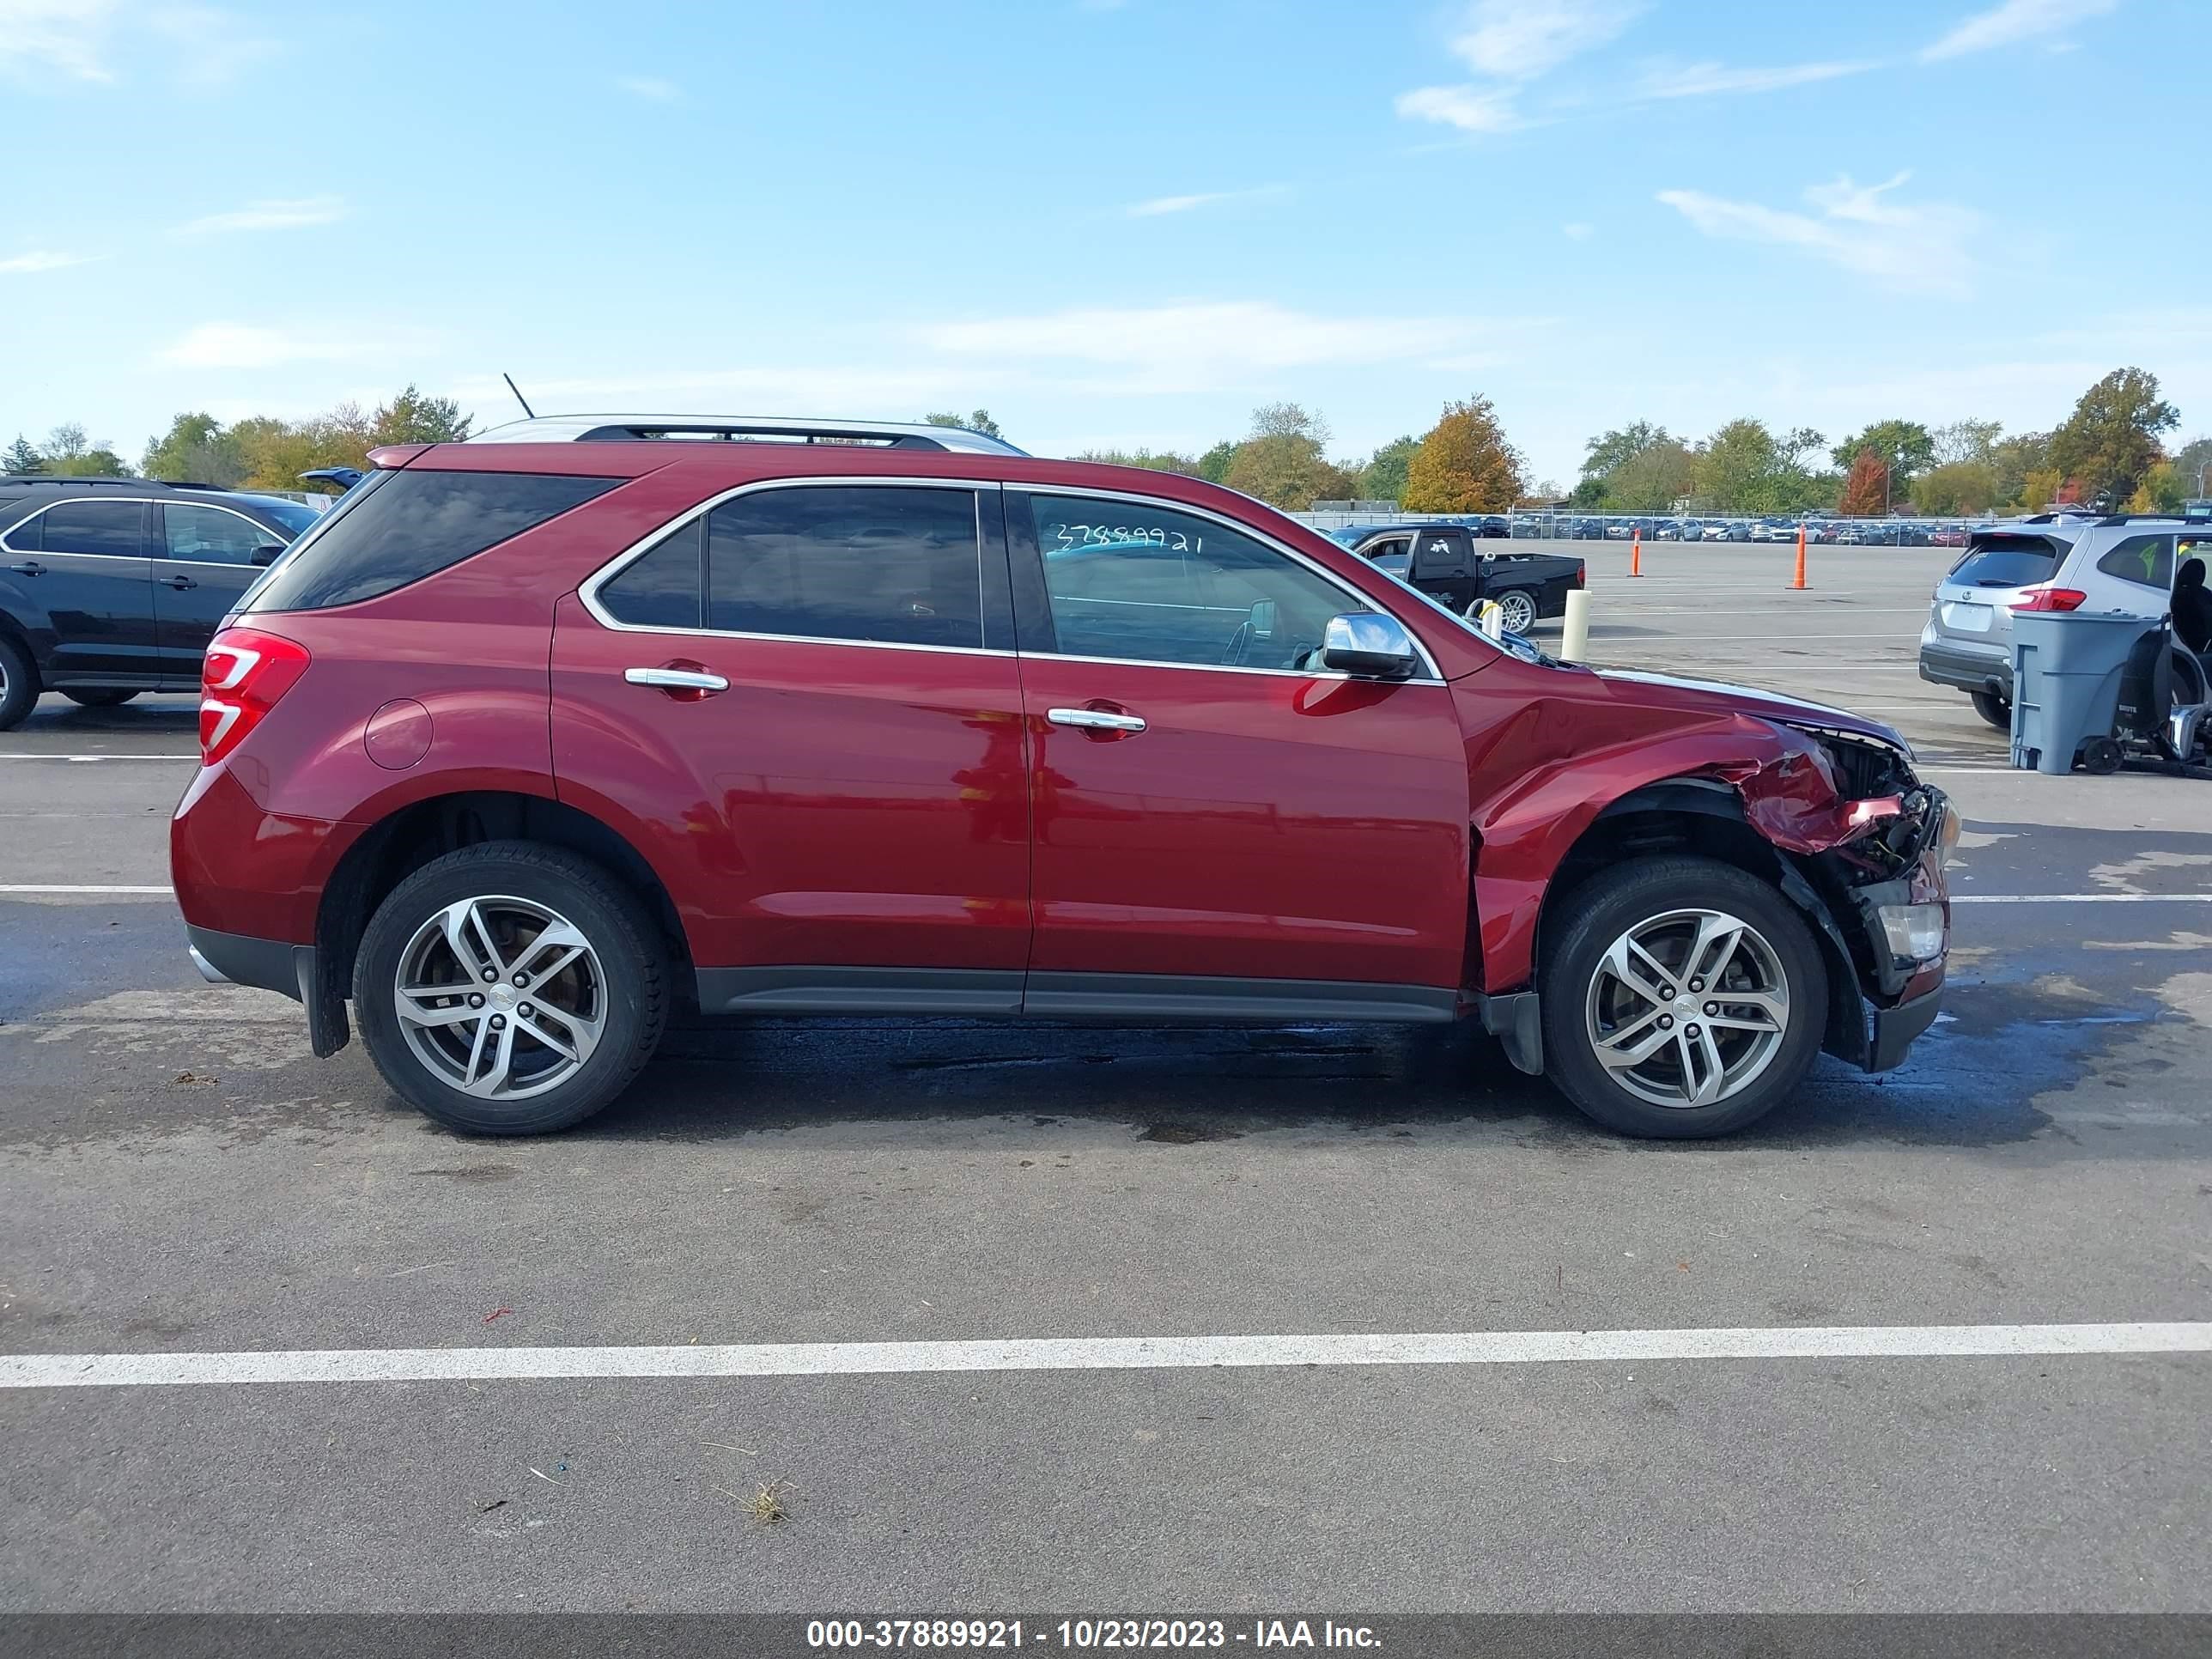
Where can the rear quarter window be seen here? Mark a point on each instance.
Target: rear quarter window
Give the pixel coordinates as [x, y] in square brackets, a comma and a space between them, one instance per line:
[2007, 561]
[405, 525]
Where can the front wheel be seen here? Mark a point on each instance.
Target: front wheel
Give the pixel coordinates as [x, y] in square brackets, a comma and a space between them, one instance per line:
[1996, 710]
[510, 988]
[1684, 999]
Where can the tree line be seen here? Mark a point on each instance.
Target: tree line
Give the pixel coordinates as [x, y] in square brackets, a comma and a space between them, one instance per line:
[259, 453]
[2109, 452]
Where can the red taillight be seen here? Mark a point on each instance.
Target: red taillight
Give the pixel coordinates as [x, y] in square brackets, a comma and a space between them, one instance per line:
[1579, 577]
[244, 671]
[2051, 598]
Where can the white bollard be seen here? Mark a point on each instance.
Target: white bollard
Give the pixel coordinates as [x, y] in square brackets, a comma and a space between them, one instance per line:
[1574, 633]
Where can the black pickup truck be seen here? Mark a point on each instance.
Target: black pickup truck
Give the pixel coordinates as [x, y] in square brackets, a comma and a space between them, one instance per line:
[1446, 562]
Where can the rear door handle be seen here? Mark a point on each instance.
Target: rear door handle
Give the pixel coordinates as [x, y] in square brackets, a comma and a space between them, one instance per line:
[28, 567]
[1095, 720]
[181, 583]
[678, 679]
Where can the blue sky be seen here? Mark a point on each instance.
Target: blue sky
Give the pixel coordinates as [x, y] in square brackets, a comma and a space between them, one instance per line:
[1111, 223]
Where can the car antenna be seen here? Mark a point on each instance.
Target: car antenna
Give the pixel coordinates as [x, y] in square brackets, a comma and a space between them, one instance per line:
[518, 397]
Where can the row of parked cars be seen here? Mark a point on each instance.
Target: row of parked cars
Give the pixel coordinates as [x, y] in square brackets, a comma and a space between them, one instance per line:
[1860, 532]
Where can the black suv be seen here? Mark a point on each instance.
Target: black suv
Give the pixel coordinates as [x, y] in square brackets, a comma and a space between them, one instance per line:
[112, 587]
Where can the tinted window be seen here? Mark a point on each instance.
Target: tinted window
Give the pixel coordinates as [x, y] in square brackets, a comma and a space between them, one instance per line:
[208, 535]
[2145, 559]
[93, 527]
[2007, 561]
[296, 517]
[1147, 583]
[867, 562]
[403, 526]
[664, 587]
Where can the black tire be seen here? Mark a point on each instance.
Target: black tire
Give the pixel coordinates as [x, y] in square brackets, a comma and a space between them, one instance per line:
[1996, 710]
[633, 983]
[99, 699]
[18, 684]
[1621, 898]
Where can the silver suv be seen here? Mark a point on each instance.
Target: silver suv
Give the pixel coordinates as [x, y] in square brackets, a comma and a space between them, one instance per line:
[2056, 561]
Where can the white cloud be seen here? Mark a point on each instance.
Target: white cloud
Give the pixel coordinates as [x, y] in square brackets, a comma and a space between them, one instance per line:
[1702, 79]
[1512, 42]
[1194, 344]
[38, 258]
[1471, 109]
[209, 49]
[273, 214]
[651, 88]
[2014, 21]
[68, 36]
[1161, 204]
[1912, 248]
[240, 345]
[1521, 40]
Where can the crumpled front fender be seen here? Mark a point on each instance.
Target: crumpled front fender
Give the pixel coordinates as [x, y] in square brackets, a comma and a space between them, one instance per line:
[1789, 790]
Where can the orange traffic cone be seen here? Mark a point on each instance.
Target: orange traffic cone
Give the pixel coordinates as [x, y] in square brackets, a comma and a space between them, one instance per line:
[1636, 552]
[1799, 582]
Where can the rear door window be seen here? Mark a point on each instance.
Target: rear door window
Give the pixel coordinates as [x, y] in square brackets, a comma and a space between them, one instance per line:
[114, 528]
[882, 564]
[2007, 561]
[2146, 561]
[402, 527]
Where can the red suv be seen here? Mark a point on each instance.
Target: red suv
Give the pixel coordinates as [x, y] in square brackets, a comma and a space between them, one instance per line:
[529, 744]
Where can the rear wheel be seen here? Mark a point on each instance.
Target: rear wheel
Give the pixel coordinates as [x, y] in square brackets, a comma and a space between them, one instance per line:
[99, 699]
[510, 988]
[18, 684]
[1684, 999]
[1516, 609]
[1996, 710]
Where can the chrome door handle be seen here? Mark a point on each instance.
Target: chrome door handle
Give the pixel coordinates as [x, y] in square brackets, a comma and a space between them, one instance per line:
[28, 567]
[1095, 720]
[675, 679]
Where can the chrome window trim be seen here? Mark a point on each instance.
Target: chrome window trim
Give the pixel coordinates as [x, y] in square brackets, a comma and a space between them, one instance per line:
[1363, 601]
[71, 500]
[588, 590]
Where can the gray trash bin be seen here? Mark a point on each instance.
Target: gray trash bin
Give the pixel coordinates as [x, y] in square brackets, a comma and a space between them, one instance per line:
[2066, 668]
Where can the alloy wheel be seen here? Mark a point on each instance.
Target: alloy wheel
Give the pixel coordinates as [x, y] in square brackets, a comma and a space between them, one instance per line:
[1517, 613]
[500, 998]
[1688, 1008]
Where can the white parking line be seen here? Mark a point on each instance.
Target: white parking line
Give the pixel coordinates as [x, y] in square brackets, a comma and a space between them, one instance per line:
[32, 887]
[1096, 1354]
[193, 758]
[2081, 898]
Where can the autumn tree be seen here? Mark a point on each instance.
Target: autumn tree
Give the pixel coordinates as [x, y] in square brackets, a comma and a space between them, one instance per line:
[1956, 489]
[1906, 449]
[1606, 454]
[1650, 481]
[1964, 441]
[1464, 465]
[1153, 460]
[2192, 464]
[1282, 462]
[1744, 468]
[2111, 440]
[1866, 489]
[2016, 460]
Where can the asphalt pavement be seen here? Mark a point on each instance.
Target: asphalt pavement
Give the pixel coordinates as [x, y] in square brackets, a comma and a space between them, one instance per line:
[178, 1175]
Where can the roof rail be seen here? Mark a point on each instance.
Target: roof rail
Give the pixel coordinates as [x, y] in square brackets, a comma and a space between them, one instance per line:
[772, 428]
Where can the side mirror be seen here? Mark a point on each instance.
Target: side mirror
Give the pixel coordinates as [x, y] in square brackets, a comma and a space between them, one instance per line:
[1370, 645]
[267, 554]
